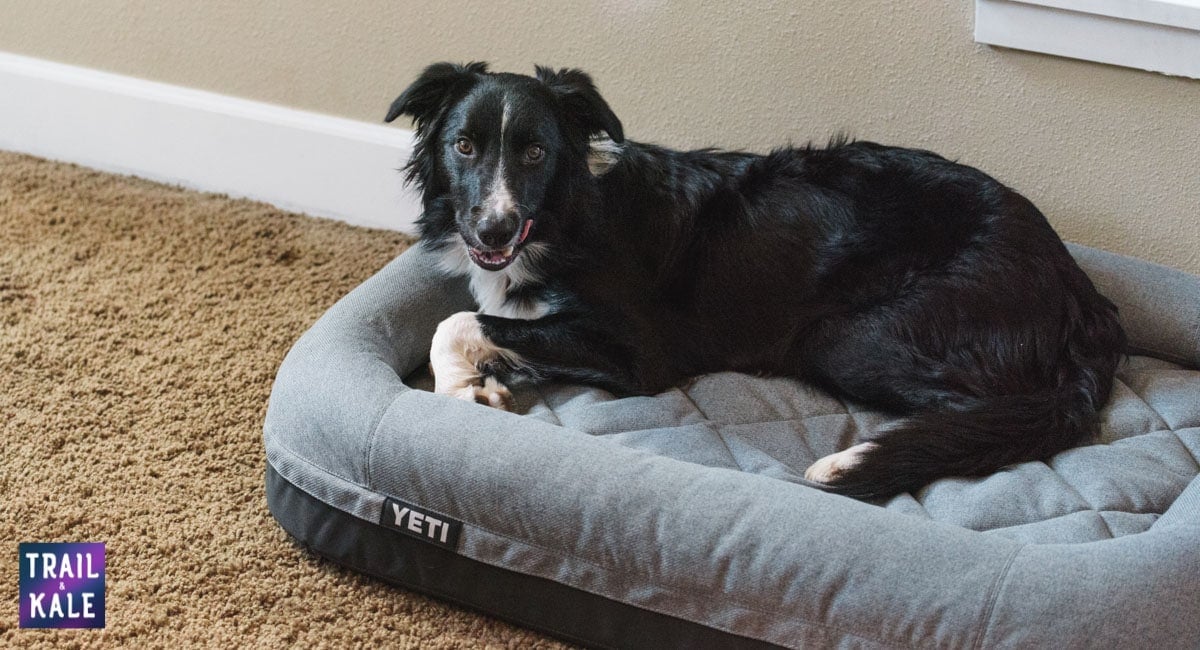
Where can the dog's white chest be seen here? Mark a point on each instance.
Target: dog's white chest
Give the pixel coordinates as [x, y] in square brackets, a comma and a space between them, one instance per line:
[490, 291]
[490, 288]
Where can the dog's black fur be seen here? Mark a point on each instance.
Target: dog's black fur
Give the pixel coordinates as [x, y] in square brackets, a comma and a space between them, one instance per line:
[892, 277]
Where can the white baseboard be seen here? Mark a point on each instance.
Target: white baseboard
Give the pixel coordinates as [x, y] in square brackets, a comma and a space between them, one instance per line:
[300, 161]
[1156, 35]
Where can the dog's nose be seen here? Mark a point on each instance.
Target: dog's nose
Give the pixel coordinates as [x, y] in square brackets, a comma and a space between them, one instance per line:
[496, 231]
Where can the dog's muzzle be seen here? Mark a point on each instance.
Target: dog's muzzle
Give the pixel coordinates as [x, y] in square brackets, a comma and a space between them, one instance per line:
[494, 257]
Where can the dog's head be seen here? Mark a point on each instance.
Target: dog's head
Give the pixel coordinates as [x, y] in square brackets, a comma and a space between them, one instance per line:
[493, 147]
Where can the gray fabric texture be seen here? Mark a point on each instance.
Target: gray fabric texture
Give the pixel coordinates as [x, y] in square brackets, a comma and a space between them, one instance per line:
[1160, 307]
[692, 503]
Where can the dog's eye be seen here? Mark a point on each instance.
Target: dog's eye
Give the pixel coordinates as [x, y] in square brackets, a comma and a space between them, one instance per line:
[534, 153]
[464, 146]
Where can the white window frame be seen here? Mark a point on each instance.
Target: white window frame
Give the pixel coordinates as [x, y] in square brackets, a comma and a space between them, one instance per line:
[1157, 35]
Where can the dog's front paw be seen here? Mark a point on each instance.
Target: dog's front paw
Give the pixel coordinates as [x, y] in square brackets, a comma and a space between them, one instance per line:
[490, 393]
[457, 351]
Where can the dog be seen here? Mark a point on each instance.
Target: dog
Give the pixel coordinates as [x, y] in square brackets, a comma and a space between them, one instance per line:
[891, 277]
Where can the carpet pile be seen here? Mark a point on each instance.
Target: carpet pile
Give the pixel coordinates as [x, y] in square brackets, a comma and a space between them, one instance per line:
[141, 326]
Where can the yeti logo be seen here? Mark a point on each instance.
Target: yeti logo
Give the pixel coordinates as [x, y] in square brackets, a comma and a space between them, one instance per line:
[421, 524]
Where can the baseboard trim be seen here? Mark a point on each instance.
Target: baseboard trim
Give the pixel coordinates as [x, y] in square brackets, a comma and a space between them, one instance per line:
[301, 161]
[1156, 35]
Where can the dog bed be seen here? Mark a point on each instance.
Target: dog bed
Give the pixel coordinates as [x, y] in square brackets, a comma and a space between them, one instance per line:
[683, 519]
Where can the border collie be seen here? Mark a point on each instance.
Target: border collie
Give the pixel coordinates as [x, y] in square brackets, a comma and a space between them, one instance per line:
[891, 277]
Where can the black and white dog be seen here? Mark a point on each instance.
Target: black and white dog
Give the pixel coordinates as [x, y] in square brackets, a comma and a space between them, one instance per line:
[892, 277]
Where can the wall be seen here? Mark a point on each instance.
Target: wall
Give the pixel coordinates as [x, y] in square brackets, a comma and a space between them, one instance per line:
[1111, 155]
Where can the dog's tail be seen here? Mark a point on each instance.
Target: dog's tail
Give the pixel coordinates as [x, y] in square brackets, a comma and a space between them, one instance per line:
[979, 435]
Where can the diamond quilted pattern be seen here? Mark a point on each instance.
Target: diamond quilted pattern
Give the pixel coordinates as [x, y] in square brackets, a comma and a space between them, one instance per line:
[1022, 494]
[1074, 528]
[603, 415]
[1173, 394]
[1128, 523]
[1127, 415]
[776, 427]
[1190, 439]
[759, 399]
[776, 449]
[698, 443]
[1142, 474]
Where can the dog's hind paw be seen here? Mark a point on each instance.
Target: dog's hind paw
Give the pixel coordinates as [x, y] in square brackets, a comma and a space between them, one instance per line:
[829, 468]
[491, 393]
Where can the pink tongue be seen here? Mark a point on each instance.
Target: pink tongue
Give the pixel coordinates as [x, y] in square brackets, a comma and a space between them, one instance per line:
[525, 232]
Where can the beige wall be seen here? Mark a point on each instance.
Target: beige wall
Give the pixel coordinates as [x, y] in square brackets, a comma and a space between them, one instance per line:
[1111, 155]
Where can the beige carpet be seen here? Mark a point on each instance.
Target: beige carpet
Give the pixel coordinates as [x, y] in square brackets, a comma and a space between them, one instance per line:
[140, 329]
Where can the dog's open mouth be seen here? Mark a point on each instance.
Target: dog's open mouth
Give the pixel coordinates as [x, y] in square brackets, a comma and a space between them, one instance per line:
[498, 258]
[493, 260]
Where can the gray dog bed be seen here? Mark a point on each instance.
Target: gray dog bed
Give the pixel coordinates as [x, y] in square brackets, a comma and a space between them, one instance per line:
[683, 520]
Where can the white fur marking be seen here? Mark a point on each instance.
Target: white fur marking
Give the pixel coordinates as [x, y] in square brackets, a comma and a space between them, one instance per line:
[603, 153]
[830, 467]
[499, 198]
[490, 288]
[458, 349]
[455, 260]
[504, 119]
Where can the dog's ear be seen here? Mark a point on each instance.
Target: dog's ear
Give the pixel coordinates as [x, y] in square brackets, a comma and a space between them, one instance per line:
[578, 95]
[428, 94]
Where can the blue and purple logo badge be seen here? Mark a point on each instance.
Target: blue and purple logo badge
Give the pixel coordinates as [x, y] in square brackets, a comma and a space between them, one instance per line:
[62, 584]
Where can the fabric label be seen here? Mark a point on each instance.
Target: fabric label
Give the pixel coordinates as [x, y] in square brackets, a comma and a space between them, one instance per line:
[420, 523]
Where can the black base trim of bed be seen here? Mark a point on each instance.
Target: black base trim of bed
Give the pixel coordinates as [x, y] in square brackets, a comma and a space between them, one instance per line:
[571, 614]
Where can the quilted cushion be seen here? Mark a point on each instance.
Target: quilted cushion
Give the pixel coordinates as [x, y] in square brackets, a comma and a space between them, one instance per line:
[1145, 456]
